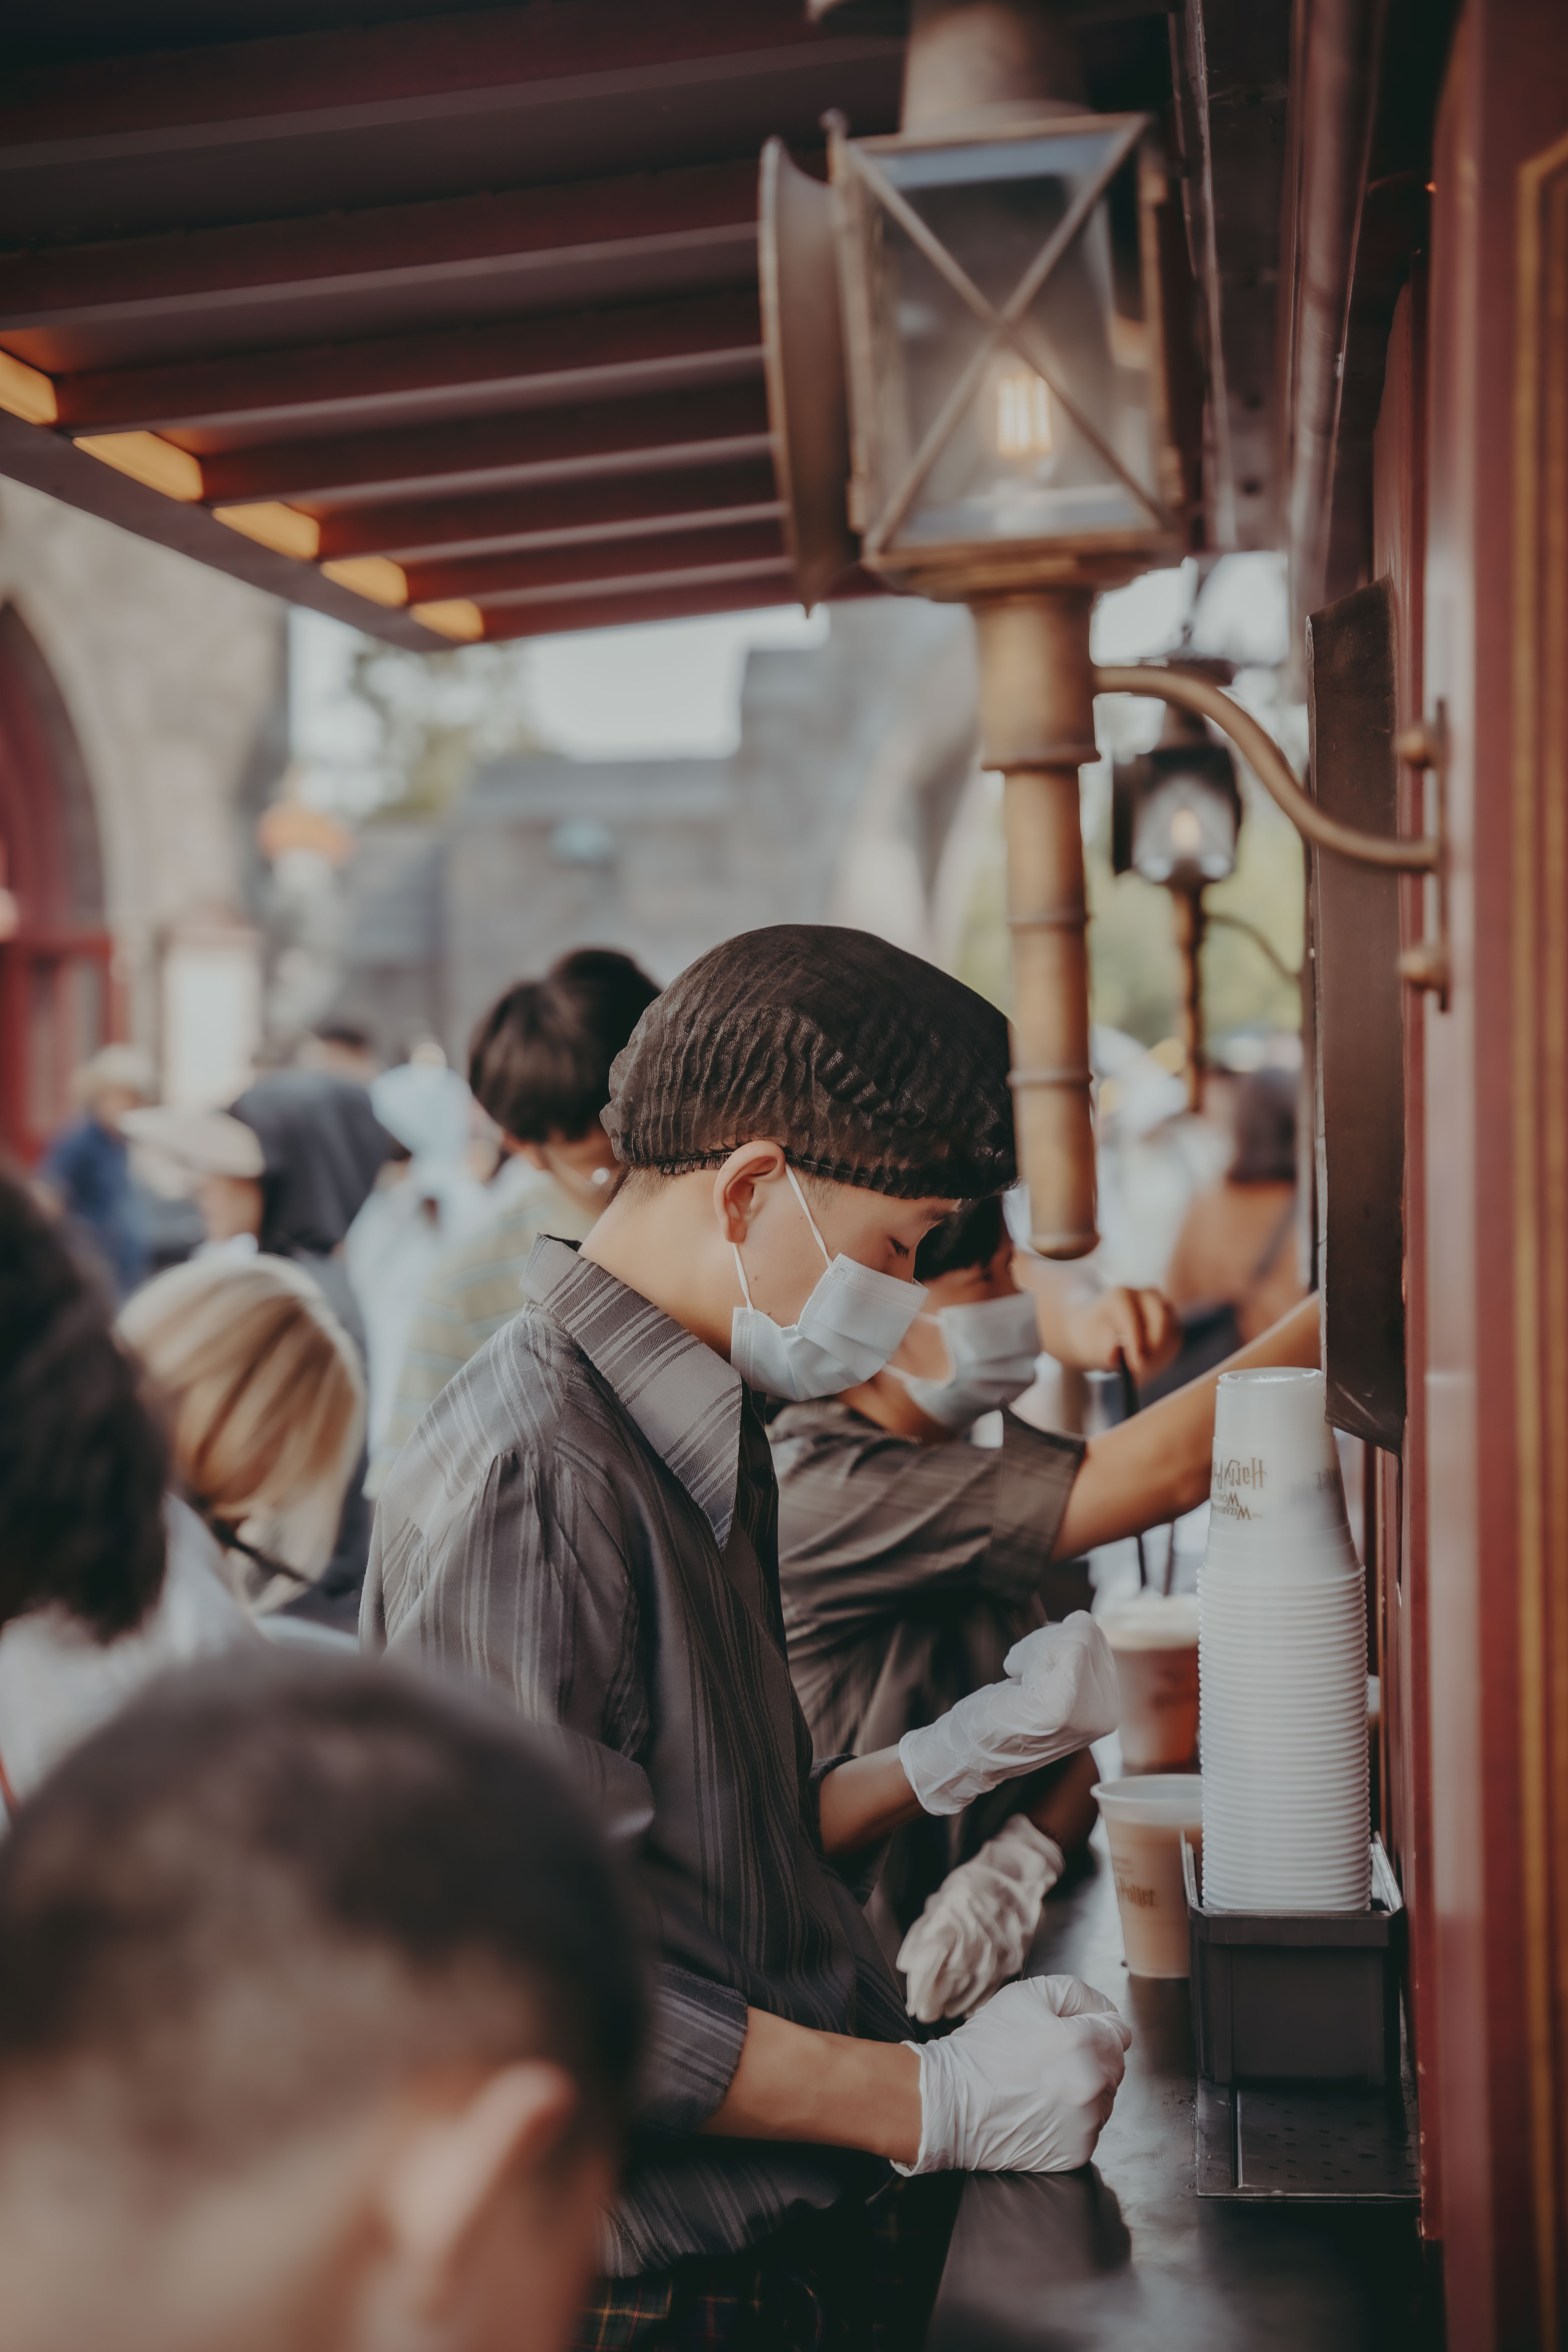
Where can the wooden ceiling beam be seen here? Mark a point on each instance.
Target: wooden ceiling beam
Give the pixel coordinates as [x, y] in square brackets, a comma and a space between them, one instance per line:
[644, 347]
[727, 552]
[30, 454]
[668, 429]
[572, 514]
[412, 72]
[621, 610]
[341, 256]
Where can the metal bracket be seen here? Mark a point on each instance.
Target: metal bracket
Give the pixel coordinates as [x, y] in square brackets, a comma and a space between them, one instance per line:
[1425, 747]
[1419, 854]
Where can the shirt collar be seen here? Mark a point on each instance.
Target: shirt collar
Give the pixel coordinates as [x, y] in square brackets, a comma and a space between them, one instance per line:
[685, 1400]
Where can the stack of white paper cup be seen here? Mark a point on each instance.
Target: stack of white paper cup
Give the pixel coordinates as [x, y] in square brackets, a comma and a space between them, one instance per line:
[1282, 1659]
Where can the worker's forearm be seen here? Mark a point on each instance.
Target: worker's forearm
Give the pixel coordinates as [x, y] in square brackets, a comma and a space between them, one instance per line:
[864, 1801]
[1153, 1467]
[794, 2084]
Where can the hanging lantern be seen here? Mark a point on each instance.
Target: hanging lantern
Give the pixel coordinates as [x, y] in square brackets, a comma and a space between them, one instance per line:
[1009, 408]
[984, 412]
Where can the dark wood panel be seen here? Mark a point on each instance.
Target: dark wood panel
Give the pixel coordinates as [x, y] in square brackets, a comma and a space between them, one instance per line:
[256, 395]
[384, 269]
[619, 612]
[553, 444]
[569, 515]
[1353, 700]
[398, 69]
[1399, 546]
[680, 559]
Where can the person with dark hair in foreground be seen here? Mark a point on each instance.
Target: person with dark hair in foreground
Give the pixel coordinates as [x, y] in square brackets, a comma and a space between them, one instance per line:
[539, 1065]
[101, 1586]
[319, 2008]
[910, 1564]
[82, 1461]
[587, 1515]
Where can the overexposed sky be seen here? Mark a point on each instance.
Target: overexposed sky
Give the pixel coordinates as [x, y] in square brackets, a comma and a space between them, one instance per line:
[669, 690]
[661, 691]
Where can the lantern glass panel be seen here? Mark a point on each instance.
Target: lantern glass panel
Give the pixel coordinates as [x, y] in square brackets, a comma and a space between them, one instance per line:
[1018, 465]
[1185, 831]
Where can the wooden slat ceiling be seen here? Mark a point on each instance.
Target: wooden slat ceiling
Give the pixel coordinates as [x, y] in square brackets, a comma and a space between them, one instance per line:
[445, 322]
[450, 320]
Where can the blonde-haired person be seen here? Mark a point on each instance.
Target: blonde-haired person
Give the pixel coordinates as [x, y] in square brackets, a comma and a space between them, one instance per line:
[264, 1401]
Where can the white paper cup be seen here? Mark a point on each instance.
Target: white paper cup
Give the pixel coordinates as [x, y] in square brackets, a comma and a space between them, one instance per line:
[1146, 1819]
[1275, 1469]
[1154, 1639]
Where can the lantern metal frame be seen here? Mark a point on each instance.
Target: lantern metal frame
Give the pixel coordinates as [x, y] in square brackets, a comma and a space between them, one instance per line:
[971, 568]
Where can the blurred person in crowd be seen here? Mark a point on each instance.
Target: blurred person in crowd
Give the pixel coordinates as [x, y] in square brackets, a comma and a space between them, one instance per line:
[97, 1590]
[285, 1171]
[322, 1148]
[587, 1515]
[1234, 1270]
[262, 1393]
[340, 1049]
[86, 1172]
[426, 1201]
[320, 2008]
[910, 1564]
[540, 1065]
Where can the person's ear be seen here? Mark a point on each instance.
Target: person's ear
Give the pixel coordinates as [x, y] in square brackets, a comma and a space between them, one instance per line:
[459, 2160]
[735, 1186]
[529, 1152]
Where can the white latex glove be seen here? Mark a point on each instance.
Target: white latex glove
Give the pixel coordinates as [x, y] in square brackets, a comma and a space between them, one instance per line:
[1061, 1693]
[1026, 2086]
[976, 1929]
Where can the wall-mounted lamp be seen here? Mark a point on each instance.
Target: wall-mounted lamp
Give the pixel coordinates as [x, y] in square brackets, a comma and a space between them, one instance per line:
[976, 335]
[970, 397]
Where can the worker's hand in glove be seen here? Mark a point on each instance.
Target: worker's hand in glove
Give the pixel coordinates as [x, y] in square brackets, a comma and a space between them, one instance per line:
[1025, 2086]
[1061, 1693]
[976, 1929]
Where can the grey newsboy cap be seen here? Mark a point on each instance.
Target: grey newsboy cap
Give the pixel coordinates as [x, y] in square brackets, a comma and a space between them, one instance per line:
[869, 1066]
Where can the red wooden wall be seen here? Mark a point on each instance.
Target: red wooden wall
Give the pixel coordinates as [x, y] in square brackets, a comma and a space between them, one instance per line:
[1487, 1460]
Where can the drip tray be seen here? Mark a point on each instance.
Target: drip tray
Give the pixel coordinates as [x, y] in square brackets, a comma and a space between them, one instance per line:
[1342, 2145]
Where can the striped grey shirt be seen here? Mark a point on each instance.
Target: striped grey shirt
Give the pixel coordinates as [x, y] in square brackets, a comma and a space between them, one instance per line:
[908, 1571]
[587, 1515]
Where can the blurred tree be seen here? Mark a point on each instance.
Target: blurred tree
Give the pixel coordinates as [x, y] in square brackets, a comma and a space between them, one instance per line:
[439, 716]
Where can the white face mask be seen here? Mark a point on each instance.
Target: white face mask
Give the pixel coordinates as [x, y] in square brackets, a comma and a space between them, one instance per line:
[991, 1351]
[846, 1331]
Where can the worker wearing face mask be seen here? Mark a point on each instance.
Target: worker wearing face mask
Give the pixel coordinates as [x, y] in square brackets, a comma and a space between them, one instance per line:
[910, 1566]
[587, 1515]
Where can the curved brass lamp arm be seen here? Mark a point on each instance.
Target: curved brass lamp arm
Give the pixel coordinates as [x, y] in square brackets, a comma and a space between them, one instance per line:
[1420, 854]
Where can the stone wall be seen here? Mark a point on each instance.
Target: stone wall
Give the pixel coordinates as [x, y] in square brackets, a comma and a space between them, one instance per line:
[172, 676]
[833, 808]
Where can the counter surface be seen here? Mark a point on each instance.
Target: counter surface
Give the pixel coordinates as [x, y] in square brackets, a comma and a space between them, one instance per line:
[1125, 2254]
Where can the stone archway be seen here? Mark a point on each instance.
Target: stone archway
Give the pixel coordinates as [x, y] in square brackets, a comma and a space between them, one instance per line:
[56, 996]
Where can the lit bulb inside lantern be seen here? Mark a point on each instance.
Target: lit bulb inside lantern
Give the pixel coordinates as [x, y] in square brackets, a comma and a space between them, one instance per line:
[1023, 414]
[1186, 831]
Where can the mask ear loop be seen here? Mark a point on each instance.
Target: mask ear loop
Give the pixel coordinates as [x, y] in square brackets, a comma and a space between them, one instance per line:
[806, 1212]
[811, 1221]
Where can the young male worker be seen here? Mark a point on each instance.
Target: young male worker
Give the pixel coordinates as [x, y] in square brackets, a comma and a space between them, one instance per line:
[320, 2008]
[910, 1565]
[587, 1514]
